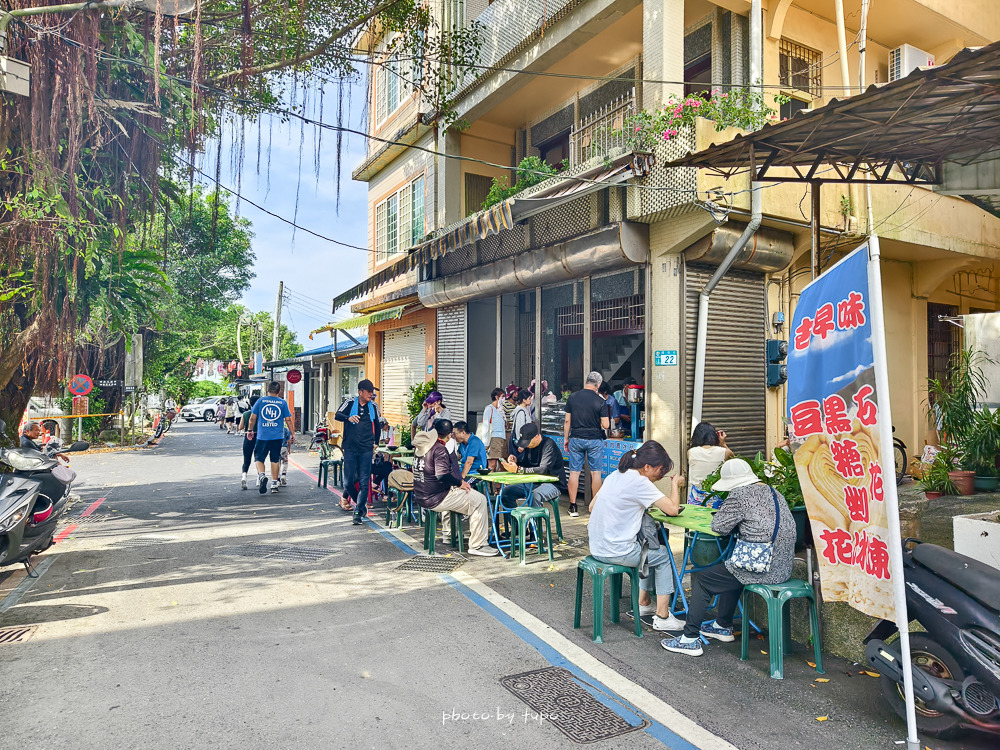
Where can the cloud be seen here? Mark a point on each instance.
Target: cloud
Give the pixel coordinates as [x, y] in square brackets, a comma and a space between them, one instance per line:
[817, 344]
[851, 374]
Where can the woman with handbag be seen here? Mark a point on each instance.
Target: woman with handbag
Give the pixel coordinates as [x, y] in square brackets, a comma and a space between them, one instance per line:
[493, 430]
[615, 528]
[765, 545]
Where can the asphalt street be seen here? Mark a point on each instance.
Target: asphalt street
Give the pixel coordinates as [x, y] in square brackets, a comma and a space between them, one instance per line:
[159, 624]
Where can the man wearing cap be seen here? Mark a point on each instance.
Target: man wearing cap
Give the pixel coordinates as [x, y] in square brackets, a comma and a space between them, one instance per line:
[362, 426]
[539, 455]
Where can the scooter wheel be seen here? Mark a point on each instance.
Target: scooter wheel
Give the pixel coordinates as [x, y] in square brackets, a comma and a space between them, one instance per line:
[934, 659]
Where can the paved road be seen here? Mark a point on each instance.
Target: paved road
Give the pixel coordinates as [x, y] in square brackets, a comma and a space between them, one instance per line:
[154, 629]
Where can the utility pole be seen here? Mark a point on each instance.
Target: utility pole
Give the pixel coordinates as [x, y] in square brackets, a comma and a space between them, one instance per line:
[277, 321]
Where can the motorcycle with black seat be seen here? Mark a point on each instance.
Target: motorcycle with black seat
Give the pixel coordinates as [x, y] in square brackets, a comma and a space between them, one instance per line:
[34, 492]
[955, 662]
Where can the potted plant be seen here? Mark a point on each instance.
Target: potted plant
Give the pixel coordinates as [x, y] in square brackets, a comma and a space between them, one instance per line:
[953, 406]
[981, 448]
[936, 480]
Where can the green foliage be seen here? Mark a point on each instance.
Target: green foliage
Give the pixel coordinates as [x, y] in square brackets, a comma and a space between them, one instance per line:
[204, 388]
[779, 474]
[935, 477]
[403, 436]
[415, 398]
[745, 109]
[531, 171]
[91, 425]
[982, 444]
[953, 403]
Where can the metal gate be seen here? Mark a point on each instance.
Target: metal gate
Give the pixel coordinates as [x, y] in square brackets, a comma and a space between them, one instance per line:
[452, 350]
[735, 385]
[403, 365]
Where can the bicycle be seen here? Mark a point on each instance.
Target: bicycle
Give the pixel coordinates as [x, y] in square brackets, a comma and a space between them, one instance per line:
[899, 456]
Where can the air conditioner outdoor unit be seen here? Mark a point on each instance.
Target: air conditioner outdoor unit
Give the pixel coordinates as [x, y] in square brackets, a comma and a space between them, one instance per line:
[905, 59]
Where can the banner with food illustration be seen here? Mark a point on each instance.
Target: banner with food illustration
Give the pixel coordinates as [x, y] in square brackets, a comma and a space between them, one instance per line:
[834, 416]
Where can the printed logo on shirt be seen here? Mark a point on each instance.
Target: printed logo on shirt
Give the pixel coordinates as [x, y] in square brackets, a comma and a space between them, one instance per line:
[270, 414]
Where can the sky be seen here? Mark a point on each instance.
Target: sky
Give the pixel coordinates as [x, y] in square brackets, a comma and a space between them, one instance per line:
[313, 269]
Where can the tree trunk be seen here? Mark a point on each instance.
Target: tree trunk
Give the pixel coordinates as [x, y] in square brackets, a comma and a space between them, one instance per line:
[13, 401]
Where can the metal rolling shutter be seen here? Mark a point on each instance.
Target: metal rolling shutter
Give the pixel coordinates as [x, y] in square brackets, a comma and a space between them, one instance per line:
[403, 365]
[451, 358]
[735, 387]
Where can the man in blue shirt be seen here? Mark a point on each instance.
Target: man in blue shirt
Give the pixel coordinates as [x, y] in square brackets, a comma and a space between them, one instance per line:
[267, 423]
[471, 450]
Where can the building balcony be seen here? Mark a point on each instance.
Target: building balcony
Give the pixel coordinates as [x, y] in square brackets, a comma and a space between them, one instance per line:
[599, 133]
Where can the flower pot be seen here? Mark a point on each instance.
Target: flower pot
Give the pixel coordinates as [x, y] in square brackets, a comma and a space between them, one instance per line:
[987, 484]
[964, 481]
[803, 530]
[930, 495]
[707, 550]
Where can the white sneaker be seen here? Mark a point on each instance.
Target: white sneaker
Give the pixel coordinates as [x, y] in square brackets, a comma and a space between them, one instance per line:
[645, 610]
[669, 623]
[243, 482]
[262, 484]
[284, 480]
[274, 486]
[484, 551]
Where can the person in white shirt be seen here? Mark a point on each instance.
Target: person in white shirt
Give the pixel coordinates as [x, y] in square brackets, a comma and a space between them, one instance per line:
[707, 453]
[496, 446]
[616, 514]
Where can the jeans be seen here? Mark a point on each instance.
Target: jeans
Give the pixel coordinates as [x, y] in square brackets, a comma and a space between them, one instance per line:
[707, 583]
[580, 448]
[358, 470]
[661, 573]
[540, 493]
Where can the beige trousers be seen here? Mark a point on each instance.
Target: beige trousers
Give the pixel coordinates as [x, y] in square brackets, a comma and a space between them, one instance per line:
[471, 504]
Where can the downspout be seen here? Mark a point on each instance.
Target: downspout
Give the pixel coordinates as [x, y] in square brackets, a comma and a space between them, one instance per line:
[701, 342]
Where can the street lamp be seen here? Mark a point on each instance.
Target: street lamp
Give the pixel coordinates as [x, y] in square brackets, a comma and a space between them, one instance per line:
[14, 74]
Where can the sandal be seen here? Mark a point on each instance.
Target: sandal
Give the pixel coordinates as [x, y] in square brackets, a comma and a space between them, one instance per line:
[345, 505]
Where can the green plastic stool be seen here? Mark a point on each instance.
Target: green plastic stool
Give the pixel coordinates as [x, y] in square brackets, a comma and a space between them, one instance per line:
[554, 502]
[323, 474]
[430, 530]
[598, 572]
[776, 596]
[521, 517]
[402, 496]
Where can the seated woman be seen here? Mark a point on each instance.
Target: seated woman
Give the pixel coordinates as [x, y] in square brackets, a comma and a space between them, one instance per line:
[707, 452]
[750, 512]
[616, 516]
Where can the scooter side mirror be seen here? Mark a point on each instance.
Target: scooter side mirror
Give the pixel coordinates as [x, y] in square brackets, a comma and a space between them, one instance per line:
[79, 445]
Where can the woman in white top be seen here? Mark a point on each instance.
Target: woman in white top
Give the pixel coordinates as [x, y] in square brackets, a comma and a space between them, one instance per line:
[616, 516]
[496, 446]
[520, 417]
[707, 453]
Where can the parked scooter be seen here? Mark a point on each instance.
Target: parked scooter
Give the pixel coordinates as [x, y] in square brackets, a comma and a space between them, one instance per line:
[956, 662]
[32, 499]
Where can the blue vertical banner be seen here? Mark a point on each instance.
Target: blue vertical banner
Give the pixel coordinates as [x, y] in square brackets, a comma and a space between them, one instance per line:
[834, 426]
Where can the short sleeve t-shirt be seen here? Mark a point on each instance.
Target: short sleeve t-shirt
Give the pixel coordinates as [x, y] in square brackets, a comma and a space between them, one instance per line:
[494, 417]
[702, 461]
[271, 412]
[586, 408]
[618, 509]
[477, 450]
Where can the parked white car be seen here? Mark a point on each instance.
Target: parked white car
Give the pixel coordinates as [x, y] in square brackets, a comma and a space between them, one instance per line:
[201, 408]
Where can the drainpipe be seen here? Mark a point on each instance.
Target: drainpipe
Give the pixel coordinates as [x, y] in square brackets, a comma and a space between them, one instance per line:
[701, 343]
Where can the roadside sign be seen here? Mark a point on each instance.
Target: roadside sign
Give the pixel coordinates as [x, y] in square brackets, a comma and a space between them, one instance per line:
[80, 385]
[293, 376]
[81, 405]
[110, 383]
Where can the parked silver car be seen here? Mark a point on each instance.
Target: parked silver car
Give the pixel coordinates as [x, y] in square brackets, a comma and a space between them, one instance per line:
[201, 408]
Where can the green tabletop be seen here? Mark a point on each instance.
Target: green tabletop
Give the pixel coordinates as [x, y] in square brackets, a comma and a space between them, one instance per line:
[693, 517]
[503, 477]
[403, 460]
[398, 452]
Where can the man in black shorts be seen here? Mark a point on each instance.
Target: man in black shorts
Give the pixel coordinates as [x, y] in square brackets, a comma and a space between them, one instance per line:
[267, 423]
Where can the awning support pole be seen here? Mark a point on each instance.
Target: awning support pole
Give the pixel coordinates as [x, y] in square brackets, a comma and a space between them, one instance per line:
[814, 227]
[756, 213]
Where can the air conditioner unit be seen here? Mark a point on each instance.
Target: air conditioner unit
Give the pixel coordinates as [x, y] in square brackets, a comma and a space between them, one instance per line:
[905, 59]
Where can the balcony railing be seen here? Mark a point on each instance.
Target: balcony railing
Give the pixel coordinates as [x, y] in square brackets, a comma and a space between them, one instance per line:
[602, 131]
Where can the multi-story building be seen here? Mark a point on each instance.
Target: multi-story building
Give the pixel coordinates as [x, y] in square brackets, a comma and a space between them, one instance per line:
[601, 266]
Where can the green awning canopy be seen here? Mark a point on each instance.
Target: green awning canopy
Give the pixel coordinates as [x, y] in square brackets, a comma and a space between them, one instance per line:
[362, 321]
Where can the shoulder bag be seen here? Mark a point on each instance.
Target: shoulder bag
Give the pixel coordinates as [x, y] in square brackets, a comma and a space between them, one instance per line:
[755, 557]
[485, 429]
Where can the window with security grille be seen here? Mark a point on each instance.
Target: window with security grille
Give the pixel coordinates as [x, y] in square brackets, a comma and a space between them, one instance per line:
[399, 221]
[391, 85]
[800, 68]
[417, 213]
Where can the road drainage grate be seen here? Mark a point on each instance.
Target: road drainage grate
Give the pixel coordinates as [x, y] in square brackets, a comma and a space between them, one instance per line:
[556, 697]
[278, 552]
[16, 635]
[140, 541]
[95, 518]
[432, 564]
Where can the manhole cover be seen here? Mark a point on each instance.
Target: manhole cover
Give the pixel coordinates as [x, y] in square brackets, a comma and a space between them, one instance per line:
[16, 635]
[435, 564]
[140, 541]
[560, 699]
[277, 552]
[95, 518]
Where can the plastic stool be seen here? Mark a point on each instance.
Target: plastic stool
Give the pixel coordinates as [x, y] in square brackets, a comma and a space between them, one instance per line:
[323, 474]
[430, 530]
[399, 507]
[554, 502]
[519, 529]
[598, 572]
[776, 596]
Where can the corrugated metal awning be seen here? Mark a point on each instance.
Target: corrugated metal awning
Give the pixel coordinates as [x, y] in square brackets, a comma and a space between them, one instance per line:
[362, 321]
